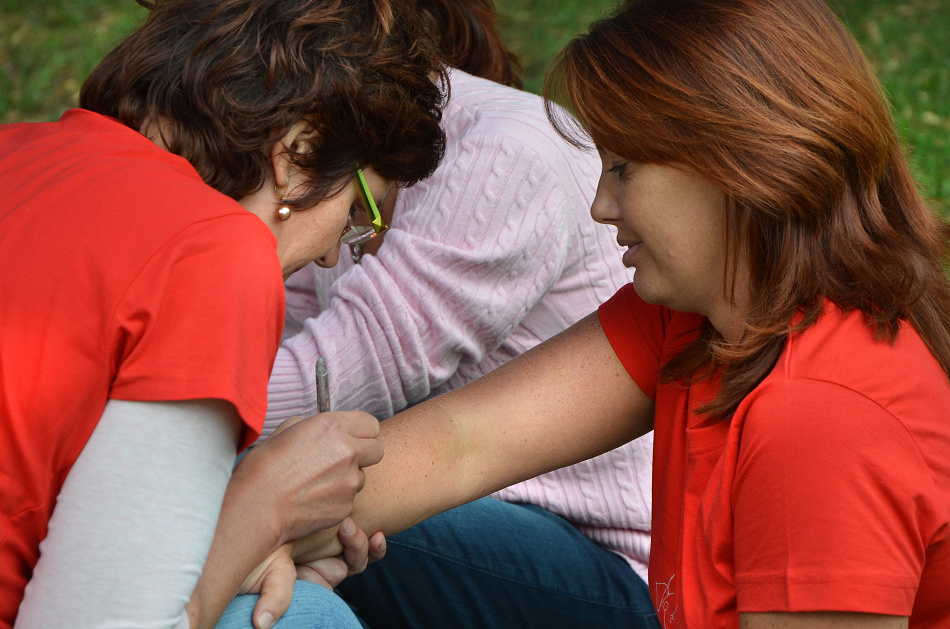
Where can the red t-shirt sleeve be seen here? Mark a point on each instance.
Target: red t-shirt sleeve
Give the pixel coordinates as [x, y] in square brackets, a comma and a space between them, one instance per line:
[202, 319]
[645, 336]
[634, 329]
[816, 458]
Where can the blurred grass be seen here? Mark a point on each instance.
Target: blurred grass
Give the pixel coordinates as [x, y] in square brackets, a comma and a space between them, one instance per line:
[47, 48]
[908, 42]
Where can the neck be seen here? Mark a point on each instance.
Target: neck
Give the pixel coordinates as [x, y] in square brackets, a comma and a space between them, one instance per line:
[729, 324]
[730, 316]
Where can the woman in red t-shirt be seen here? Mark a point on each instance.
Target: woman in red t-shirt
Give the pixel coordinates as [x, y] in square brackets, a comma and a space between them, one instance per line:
[787, 332]
[143, 241]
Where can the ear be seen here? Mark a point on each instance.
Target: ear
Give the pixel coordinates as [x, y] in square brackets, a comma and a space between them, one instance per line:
[300, 139]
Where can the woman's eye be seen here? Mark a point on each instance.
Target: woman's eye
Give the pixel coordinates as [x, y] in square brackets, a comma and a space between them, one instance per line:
[620, 168]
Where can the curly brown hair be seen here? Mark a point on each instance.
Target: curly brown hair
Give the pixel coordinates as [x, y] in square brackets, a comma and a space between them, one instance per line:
[231, 77]
[774, 102]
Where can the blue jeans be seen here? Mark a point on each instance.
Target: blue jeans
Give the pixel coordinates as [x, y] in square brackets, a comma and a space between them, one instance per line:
[485, 565]
[312, 607]
[491, 564]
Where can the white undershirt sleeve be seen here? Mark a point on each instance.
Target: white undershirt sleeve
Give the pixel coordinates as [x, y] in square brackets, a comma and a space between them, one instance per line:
[135, 518]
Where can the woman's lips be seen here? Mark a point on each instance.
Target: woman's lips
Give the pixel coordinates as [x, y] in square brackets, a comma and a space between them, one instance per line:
[629, 253]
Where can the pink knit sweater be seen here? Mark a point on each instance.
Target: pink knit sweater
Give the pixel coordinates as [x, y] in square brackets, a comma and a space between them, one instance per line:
[491, 255]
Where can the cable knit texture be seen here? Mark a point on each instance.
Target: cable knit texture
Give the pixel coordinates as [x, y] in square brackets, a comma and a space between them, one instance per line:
[491, 255]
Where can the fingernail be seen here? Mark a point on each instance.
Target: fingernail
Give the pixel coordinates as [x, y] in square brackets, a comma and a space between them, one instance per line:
[265, 620]
[348, 527]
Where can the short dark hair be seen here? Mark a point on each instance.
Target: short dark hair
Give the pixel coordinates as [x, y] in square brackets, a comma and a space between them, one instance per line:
[233, 76]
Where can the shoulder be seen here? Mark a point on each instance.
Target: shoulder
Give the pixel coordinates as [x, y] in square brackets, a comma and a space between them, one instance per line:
[837, 384]
[842, 349]
[644, 335]
[626, 314]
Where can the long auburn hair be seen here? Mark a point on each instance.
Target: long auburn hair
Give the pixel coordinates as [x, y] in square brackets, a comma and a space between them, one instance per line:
[233, 76]
[774, 102]
[468, 37]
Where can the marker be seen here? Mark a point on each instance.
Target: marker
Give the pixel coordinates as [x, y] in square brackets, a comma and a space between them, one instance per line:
[323, 386]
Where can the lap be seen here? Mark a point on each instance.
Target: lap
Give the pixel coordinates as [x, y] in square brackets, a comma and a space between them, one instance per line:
[312, 607]
[494, 564]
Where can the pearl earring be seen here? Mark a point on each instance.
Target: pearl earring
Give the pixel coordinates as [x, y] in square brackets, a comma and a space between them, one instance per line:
[284, 212]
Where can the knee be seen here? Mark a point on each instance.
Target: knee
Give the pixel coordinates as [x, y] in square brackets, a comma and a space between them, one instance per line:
[312, 607]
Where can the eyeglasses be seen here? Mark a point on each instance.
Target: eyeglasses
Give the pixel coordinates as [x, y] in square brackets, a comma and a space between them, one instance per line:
[360, 234]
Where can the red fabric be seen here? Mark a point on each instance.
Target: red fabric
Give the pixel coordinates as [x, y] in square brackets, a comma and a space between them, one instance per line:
[126, 277]
[829, 490]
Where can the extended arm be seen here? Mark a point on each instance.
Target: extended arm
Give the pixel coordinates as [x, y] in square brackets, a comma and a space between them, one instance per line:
[566, 400]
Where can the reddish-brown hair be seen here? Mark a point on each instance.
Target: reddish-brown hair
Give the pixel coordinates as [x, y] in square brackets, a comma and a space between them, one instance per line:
[468, 37]
[233, 76]
[774, 102]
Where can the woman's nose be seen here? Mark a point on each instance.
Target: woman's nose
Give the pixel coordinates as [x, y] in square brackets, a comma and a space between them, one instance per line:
[604, 208]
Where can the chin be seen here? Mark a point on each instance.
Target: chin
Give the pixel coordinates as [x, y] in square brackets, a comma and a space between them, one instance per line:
[648, 292]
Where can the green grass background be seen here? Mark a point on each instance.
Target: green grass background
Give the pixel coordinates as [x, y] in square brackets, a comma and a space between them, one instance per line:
[47, 47]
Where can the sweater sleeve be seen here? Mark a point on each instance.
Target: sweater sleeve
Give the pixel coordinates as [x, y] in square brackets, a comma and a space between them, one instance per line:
[470, 251]
[135, 518]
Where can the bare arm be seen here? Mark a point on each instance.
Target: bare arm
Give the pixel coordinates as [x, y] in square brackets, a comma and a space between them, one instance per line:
[820, 620]
[562, 402]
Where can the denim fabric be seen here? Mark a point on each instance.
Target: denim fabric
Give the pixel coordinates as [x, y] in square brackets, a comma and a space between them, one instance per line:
[491, 564]
[312, 607]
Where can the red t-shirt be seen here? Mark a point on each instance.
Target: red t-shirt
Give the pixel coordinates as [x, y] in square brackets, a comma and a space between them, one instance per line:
[829, 490]
[123, 276]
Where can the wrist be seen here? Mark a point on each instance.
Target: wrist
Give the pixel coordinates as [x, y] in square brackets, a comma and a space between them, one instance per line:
[247, 504]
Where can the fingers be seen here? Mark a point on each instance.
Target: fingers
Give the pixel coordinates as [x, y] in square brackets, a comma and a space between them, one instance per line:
[310, 470]
[277, 589]
[370, 452]
[355, 546]
[354, 430]
[327, 572]
[361, 425]
[330, 571]
[377, 546]
[365, 428]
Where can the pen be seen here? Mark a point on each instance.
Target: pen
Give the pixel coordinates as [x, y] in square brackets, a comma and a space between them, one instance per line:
[323, 386]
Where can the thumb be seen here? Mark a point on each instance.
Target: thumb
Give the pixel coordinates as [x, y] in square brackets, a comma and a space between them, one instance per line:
[277, 589]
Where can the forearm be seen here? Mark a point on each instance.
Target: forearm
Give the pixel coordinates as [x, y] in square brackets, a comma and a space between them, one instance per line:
[244, 537]
[565, 401]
